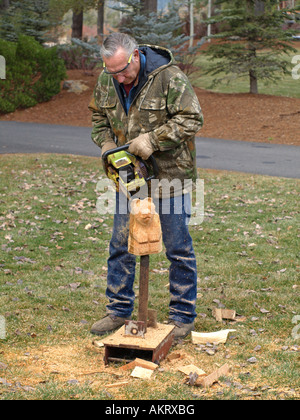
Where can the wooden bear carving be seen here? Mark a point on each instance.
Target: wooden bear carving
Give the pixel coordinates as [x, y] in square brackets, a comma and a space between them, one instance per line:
[145, 235]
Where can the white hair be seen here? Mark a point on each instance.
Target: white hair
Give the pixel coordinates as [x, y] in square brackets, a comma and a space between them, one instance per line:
[115, 41]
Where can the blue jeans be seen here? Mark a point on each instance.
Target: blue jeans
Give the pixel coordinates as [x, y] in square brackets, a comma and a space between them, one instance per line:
[179, 251]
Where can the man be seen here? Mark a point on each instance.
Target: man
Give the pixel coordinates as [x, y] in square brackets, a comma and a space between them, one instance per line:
[144, 99]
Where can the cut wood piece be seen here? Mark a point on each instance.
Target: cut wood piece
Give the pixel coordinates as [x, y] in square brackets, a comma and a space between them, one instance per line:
[191, 369]
[228, 314]
[240, 318]
[221, 314]
[98, 344]
[217, 337]
[141, 363]
[141, 373]
[213, 377]
[174, 356]
[117, 384]
[217, 314]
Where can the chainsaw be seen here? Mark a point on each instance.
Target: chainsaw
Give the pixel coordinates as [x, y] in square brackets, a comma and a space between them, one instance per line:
[129, 172]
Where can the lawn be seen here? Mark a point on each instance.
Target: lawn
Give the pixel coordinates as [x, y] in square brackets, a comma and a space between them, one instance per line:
[286, 86]
[54, 247]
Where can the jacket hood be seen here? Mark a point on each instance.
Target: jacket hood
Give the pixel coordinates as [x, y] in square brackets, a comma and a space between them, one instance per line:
[157, 58]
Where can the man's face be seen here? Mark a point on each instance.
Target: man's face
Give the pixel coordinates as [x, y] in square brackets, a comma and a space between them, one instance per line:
[119, 61]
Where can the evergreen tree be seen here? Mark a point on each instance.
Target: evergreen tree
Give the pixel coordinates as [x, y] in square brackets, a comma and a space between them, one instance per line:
[253, 42]
[157, 28]
[26, 17]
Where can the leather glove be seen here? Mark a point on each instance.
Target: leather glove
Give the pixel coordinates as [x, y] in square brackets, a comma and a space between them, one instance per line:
[108, 146]
[141, 146]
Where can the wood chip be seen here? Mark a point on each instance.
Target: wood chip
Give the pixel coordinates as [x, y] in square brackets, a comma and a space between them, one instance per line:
[217, 337]
[220, 314]
[217, 314]
[175, 356]
[191, 369]
[213, 377]
[141, 373]
[229, 314]
[117, 384]
[141, 363]
[98, 344]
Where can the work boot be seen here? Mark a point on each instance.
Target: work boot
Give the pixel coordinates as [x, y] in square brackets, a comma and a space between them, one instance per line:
[181, 330]
[108, 324]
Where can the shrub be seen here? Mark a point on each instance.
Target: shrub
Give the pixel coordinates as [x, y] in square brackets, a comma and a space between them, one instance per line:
[80, 55]
[33, 74]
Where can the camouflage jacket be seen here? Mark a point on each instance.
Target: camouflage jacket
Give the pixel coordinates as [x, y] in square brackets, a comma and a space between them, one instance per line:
[165, 106]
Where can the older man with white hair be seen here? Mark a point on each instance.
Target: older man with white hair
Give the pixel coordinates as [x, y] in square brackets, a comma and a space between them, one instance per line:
[144, 99]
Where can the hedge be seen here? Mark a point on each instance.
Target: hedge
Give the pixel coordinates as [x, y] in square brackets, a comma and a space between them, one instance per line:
[33, 74]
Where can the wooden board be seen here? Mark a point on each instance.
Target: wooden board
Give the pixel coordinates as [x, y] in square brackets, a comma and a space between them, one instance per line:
[153, 338]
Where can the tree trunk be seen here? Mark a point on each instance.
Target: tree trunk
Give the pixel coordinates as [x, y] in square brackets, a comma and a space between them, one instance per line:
[252, 73]
[209, 16]
[259, 7]
[4, 4]
[149, 6]
[100, 20]
[253, 82]
[77, 24]
[192, 33]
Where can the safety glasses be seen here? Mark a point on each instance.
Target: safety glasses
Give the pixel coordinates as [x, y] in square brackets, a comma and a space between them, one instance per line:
[120, 71]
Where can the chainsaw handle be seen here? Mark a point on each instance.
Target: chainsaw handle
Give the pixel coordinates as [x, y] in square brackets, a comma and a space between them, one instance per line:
[115, 150]
[154, 167]
[126, 147]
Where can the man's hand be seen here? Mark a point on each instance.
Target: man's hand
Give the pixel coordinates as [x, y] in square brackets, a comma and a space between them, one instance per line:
[108, 146]
[141, 146]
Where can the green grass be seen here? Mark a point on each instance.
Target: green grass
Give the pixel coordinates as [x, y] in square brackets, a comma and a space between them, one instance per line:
[52, 237]
[286, 86]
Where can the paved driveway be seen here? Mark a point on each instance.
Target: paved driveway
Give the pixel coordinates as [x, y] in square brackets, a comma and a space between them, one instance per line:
[241, 156]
